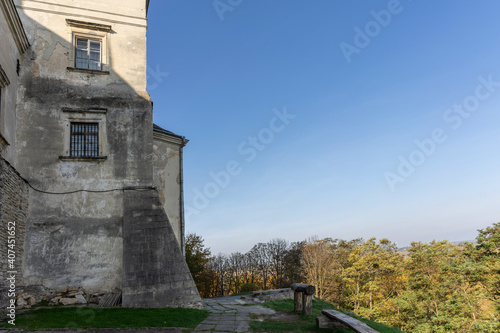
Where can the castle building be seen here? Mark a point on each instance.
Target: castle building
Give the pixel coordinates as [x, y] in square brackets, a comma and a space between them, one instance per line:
[94, 188]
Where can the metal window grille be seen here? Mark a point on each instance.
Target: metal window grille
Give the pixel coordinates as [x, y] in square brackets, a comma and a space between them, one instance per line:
[88, 54]
[84, 139]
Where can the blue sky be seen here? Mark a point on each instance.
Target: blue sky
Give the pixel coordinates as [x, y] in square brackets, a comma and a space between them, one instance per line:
[338, 119]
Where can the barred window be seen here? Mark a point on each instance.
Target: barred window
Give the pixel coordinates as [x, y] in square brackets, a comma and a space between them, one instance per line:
[84, 139]
[88, 54]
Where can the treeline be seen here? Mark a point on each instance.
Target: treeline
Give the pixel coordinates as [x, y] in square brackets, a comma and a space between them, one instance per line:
[429, 287]
[271, 265]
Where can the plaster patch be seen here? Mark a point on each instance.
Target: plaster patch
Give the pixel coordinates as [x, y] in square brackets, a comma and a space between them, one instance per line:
[53, 40]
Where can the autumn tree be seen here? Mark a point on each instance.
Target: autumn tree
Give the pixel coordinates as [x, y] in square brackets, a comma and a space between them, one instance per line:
[292, 263]
[236, 272]
[261, 258]
[277, 249]
[219, 266]
[318, 267]
[432, 287]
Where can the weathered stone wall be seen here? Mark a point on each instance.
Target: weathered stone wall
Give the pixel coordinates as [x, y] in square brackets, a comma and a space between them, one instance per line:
[14, 194]
[79, 233]
[13, 43]
[74, 233]
[155, 273]
[167, 153]
[70, 245]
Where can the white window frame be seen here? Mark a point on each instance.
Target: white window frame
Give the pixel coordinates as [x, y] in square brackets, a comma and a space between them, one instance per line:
[89, 31]
[88, 50]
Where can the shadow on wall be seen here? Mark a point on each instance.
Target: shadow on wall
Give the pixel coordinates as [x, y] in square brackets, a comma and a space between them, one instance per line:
[77, 229]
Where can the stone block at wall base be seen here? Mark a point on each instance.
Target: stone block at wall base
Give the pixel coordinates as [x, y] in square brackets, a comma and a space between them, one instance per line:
[155, 273]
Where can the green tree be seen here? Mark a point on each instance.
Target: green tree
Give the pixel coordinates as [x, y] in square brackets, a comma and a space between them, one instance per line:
[341, 251]
[197, 258]
[488, 255]
[488, 240]
[374, 277]
[421, 304]
[447, 290]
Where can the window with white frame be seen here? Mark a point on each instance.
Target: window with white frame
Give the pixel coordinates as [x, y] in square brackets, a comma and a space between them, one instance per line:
[88, 53]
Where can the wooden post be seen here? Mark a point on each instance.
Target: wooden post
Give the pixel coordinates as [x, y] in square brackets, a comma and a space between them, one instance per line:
[307, 305]
[303, 294]
[297, 301]
[306, 288]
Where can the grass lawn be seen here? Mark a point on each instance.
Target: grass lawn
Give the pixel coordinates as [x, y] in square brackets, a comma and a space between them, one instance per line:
[94, 317]
[308, 323]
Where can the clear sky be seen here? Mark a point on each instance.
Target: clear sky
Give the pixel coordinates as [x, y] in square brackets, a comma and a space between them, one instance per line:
[338, 119]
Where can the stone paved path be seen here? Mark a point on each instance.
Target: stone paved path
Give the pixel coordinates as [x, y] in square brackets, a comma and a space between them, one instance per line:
[230, 314]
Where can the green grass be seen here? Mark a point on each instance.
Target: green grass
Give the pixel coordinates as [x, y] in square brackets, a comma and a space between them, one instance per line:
[276, 326]
[308, 323]
[86, 317]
